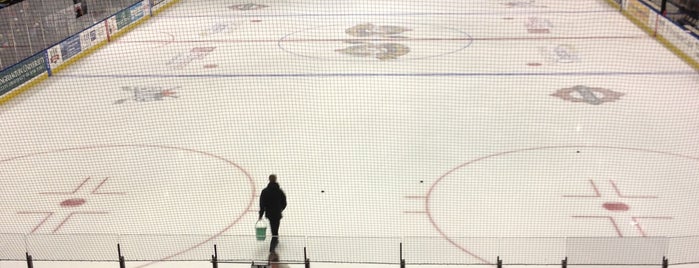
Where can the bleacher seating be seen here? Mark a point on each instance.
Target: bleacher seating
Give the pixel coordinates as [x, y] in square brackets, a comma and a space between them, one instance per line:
[6, 3]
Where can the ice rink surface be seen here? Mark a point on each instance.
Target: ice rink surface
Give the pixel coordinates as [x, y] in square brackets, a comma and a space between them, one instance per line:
[444, 125]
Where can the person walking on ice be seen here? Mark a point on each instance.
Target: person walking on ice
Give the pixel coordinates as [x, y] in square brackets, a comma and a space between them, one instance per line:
[272, 203]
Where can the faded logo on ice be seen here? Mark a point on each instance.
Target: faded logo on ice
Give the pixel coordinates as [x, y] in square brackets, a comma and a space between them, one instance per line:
[217, 28]
[371, 30]
[148, 94]
[538, 25]
[376, 41]
[562, 53]
[246, 7]
[385, 51]
[522, 4]
[589, 95]
[182, 60]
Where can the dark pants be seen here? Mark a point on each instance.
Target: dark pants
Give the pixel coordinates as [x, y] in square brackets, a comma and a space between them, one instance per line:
[274, 225]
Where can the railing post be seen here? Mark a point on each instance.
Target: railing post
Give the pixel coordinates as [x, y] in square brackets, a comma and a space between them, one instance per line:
[306, 261]
[663, 7]
[666, 263]
[47, 63]
[564, 263]
[106, 27]
[214, 258]
[499, 262]
[402, 261]
[30, 261]
[122, 262]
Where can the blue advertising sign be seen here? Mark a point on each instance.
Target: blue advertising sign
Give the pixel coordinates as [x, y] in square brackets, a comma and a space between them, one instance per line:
[70, 47]
[137, 11]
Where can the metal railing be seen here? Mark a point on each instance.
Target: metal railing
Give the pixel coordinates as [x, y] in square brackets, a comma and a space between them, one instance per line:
[412, 250]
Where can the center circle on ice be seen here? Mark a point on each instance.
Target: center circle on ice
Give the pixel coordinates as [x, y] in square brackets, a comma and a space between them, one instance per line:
[554, 192]
[128, 189]
[375, 41]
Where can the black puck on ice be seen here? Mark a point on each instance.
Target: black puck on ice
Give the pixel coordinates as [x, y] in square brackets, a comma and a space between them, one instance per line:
[322, 191]
[421, 181]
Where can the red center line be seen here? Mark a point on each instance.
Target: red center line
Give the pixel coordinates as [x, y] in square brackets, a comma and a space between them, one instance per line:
[538, 38]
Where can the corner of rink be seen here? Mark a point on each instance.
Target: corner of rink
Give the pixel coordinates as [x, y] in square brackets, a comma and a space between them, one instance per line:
[164, 7]
[156, 6]
[19, 90]
[637, 11]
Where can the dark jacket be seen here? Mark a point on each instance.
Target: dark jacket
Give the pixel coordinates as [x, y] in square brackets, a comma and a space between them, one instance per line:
[272, 201]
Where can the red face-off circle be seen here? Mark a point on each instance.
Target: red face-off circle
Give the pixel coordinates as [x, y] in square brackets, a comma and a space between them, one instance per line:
[128, 189]
[553, 192]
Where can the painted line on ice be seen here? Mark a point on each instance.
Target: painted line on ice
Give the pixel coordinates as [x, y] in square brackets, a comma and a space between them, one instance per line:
[524, 38]
[528, 12]
[334, 75]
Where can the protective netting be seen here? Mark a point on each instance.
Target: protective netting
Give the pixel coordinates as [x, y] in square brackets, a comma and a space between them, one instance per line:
[443, 132]
[611, 251]
[72, 247]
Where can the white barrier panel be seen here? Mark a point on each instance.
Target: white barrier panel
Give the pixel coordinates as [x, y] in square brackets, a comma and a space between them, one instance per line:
[75, 45]
[158, 4]
[616, 250]
[93, 36]
[111, 25]
[640, 12]
[54, 56]
[127, 16]
[661, 26]
[682, 39]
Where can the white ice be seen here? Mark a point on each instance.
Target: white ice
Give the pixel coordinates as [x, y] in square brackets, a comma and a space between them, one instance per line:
[447, 149]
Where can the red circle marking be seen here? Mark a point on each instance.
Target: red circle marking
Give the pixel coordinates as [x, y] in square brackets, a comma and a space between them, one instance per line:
[74, 202]
[615, 206]
[235, 220]
[452, 241]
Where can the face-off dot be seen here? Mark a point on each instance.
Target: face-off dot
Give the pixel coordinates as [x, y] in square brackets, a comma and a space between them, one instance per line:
[74, 202]
[615, 206]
